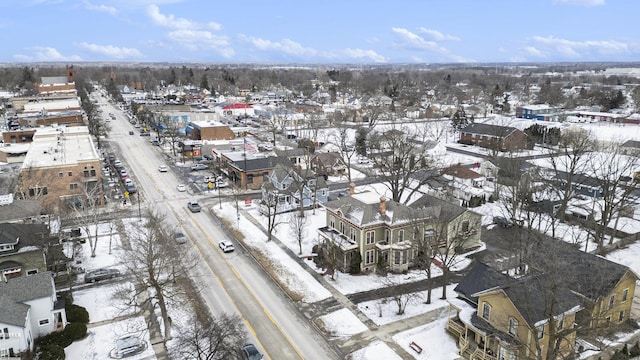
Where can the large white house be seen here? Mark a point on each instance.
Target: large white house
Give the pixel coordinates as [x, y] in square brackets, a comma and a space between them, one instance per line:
[28, 309]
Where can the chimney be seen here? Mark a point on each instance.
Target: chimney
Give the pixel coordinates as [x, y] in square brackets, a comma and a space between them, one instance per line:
[383, 206]
[352, 189]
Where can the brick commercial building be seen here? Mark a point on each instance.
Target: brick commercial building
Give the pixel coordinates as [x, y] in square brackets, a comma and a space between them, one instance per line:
[62, 169]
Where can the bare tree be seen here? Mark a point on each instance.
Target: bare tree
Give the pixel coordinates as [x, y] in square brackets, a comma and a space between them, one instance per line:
[269, 208]
[611, 170]
[86, 209]
[568, 163]
[298, 225]
[402, 161]
[400, 294]
[216, 339]
[424, 242]
[341, 139]
[151, 256]
[170, 130]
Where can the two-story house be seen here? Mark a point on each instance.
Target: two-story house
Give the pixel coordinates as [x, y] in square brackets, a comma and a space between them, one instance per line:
[288, 186]
[328, 164]
[601, 298]
[22, 249]
[379, 232]
[503, 138]
[465, 183]
[513, 318]
[30, 309]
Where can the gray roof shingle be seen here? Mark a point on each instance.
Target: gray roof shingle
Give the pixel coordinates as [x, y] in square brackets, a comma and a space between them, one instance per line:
[16, 291]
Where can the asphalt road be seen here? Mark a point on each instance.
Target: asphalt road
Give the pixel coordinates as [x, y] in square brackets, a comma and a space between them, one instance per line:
[233, 282]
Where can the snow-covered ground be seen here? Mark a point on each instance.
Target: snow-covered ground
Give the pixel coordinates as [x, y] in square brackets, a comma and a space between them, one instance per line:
[342, 323]
[432, 338]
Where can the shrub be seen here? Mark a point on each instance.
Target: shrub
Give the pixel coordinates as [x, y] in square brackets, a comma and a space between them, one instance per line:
[75, 331]
[51, 352]
[76, 313]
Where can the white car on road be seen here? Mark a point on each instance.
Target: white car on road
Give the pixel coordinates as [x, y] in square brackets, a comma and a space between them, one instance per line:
[226, 246]
[181, 187]
[163, 168]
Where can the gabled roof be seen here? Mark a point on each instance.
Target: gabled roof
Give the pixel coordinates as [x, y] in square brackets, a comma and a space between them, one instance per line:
[442, 209]
[29, 234]
[364, 209]
[591, 275]
[537, 299]
[461, 172]
[488, 129]
[17, 291]
[481, 277]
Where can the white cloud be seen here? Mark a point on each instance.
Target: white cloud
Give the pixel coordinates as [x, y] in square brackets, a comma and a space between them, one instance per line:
[412, 41]
[363, 54]
[111, 51]
[202, 40]
[534, 52]
[45, 53]
[437, 35]
[172, 22]
[577, 49]
[581, 2]
[100, 8]
[285, 46]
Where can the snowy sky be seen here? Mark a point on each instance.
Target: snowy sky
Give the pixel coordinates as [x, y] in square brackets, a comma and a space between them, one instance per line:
[379, 31]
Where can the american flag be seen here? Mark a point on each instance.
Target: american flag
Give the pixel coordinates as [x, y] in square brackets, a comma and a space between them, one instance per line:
[248, 146]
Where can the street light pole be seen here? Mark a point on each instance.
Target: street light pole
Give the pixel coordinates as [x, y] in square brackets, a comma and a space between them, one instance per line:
[219, 197]
[139, 212]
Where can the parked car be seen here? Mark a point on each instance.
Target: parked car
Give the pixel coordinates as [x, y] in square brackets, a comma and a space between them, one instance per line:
[163, 168]
[222, 183]
[180, 237]
[128, 345]
[250, 352]
[503, 221]
[193, 206]
[131, 188]
[181, 187]
[226, 246]
[210, 178]
[198, 167]
[130, 132]
[100, 274]
[145, 133]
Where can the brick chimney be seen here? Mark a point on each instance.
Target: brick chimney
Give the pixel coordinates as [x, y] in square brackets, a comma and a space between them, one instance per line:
[383, 206]
[352, 189]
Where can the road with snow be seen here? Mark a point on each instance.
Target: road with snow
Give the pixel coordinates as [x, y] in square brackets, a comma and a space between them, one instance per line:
[232, 282]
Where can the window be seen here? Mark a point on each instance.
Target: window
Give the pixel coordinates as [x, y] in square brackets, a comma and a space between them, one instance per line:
[371, 237]
[513, 326]
[387, 235]
[486, 311]
[32, 272]
[60, 174]
[341, 227]
[70, 173]
[396, 257]
[540, 330]
[93, 172]
[369, 257]
[621, 316]
[465, 226]
[38, 191]
[332, 222]
[73, 186]
[4, 334]
[353, 234]
[561, 323]
[86, 173]
[612, 301]
[43, 322]
[400, 235]
[625, 295]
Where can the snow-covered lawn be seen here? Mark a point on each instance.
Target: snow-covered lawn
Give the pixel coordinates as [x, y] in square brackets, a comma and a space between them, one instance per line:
[385, 310]
[288, 271]
[108, 249]
[100, 303]
[377, 350]
[433, 338]
[100, 340]
[342, 323]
